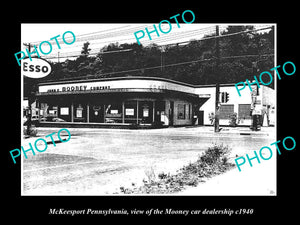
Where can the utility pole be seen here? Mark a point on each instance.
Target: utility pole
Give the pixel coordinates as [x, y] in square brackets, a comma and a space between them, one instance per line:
[30, 97]
[28, 45]
[217, 127]
[162, 58]
[217, 104]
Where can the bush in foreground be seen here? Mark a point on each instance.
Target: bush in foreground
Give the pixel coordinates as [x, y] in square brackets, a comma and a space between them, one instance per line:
[214, 161]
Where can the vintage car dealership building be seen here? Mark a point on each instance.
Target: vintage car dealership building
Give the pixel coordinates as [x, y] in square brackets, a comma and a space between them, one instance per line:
[143, 101]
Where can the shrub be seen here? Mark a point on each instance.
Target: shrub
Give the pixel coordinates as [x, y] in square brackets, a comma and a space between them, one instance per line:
[214, 161]
[162, 175]
[214, 154]
[150, 175]
[224, 160]
[232, 120]
[211, 117]
[32, 131]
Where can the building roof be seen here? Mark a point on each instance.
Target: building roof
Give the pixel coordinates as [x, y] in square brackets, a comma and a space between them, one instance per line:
[132, 78]
[116, 78]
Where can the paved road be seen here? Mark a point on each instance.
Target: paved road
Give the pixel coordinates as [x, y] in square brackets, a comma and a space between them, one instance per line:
[100, 161]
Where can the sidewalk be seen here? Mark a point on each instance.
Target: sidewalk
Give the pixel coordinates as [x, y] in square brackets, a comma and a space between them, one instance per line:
[268, 132]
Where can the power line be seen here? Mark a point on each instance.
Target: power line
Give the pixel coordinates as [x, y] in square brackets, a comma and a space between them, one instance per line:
[128, 31]
[176, 36]
[221, 36]
[123, 32]
[162, 38]
[79, 38]
[197, 32]
[102, 31]
[101, 53]
[72, 54]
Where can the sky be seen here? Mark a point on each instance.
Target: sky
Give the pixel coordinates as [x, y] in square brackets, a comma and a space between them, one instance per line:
[100, 35]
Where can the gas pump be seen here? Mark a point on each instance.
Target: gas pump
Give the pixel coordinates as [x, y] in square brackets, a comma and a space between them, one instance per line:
[256, 109]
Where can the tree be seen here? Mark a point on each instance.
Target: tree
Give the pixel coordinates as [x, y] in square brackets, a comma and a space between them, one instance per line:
[241, 56]
[85, 49]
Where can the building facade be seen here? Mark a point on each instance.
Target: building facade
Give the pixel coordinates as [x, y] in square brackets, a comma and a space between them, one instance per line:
[142, 101]
[242, 107]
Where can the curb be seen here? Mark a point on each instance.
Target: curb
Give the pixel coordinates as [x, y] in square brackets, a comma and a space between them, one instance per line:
[243, 132]
[247, 132]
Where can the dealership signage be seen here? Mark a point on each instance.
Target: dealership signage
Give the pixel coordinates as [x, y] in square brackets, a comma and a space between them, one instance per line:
[36, 68]
[78, 88]
[117, 85]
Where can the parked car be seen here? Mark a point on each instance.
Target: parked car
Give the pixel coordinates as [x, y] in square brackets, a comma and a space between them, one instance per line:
[33, 121]
[51, 119]
[56, 119]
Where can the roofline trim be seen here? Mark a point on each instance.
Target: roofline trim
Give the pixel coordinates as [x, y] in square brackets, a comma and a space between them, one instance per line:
[117, 78]
[134, 78]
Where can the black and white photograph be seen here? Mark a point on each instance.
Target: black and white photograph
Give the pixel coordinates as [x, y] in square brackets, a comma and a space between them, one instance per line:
[145, 109]
[150, 112]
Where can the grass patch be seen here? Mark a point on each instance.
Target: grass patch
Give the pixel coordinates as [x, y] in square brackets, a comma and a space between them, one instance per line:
[214, 161]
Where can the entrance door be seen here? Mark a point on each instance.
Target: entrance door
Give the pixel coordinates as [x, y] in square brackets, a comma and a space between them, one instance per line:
[159, 110]
[200, 117]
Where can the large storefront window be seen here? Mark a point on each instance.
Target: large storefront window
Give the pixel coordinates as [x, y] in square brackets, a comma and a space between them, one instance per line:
[48, 113]
[96, 113]
[244, 111]
[226, 111]
[79, 112]
[113, 113]
[146, 111]
[64, 113]
[96, 110]
[131, 112]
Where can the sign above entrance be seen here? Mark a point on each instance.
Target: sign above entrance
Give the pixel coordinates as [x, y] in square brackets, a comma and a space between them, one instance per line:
[117, 85]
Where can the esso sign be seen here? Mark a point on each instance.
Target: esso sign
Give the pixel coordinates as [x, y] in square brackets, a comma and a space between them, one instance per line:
[36, 68]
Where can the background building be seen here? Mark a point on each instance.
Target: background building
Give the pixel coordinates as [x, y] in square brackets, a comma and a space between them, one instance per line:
[231, 103]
